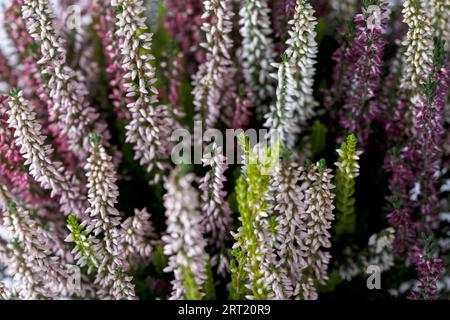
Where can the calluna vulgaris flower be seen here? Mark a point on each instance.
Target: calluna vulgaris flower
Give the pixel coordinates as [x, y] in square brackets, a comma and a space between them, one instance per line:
[149, 127]
[286, 204]
[214, 80]
[295, 102]
[429, 269]
[380, 253]
[280, 119]
[418, 46]
[88, 82]
[38, 157]
[318, 200]
[366, 55]
[438, 11]
[68, 95]
[217, 212]
[184, 243]
[104, 220]
[40, 275]
[302, 51]
[258, 51]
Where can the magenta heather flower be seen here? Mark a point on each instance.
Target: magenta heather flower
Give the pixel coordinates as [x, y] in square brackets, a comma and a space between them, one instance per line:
[358, 110]
[429, 268]
[429, 138]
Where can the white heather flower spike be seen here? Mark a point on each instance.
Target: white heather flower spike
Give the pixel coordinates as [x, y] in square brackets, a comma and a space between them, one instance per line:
[214, 80]
[301, 52]
[184, 243]
[439, 11]
[38, 272]
[258, 51]
[286, 203]
[280, 120]
[150, 124]
[418, 47]
[68, 97]
[50, 174]
[318, 200]
[104, 221]
[217, 217]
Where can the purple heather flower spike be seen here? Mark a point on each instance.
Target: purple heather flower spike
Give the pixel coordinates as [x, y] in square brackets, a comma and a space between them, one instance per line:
[364, 60]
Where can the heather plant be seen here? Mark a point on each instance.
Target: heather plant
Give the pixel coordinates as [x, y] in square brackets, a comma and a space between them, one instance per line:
[99, 199]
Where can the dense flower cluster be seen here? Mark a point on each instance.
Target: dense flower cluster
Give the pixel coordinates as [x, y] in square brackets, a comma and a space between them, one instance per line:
[121, 178]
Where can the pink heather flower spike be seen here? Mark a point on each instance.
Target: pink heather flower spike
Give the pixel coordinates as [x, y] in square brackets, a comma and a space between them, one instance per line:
[37, 271]
[31, 78]
[214, 81]
[184, 243]
[137, 236]
[13, 173]
[104, 220]
[38, 157]
[70, 107]
[217, 218]
[150, 124]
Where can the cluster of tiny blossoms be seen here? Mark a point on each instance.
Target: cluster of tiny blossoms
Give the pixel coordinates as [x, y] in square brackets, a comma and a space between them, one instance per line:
[258, 51]
[150, 126]
[213, 81]
[184, 242]
[68, 96]
[87, 112]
